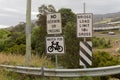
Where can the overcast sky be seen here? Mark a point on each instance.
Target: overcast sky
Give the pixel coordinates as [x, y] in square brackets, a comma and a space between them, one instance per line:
[13, 11]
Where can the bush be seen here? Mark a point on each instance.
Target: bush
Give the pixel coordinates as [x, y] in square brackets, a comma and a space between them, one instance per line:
[101, 59]
[101, 43]
[17, 49]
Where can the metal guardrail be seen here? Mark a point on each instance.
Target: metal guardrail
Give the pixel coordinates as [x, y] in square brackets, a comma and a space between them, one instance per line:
[101, 71]
[23, 70]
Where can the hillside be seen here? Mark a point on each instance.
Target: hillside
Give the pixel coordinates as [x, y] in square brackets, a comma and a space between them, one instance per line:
[99, 17]
[104, 19]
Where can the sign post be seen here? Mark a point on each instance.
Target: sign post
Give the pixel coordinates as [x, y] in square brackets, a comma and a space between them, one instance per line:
[84, 30]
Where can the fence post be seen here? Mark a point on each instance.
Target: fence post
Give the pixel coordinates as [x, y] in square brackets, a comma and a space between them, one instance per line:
[42, 70]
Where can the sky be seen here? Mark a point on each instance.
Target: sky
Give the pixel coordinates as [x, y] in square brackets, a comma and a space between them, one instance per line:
[12, 12]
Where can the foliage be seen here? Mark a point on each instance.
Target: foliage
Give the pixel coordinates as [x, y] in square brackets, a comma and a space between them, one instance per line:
[16, 38]
[4, 35]
[67, 16]
[71, 59]
[19, 27]
[2, 46]
[101, 59]
[101, 43]
[43, 11]
[38, 40]
[17, 49]
[39, 32]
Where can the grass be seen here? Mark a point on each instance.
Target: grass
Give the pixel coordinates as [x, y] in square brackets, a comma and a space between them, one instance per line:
[106, 20]
[9, 59]
[36, 61]
[115, 42]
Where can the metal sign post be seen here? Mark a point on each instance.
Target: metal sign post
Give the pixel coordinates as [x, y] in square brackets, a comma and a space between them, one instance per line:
[56, 61]
[84, 30]
[84, 6]
[54, 44]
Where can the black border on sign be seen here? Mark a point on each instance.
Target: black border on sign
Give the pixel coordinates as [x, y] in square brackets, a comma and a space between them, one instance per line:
[55, 53]
[77, 26]
[47, 26]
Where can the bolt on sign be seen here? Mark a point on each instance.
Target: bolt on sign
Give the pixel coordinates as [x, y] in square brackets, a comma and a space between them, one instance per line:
[84, 24]
[55, 45]
[54, 23]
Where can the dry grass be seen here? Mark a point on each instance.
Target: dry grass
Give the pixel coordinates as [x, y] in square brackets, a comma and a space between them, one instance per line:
[36, 61]
[11, 59]
[19, 60]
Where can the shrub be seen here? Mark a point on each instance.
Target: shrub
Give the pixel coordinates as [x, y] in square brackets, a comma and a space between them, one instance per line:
[101, 43]
[17, 49]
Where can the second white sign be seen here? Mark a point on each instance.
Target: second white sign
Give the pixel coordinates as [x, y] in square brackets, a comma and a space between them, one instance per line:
[55, 45]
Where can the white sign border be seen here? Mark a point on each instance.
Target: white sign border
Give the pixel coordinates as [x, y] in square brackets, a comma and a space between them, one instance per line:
[55, 53]
[47, 24]
[77, 26]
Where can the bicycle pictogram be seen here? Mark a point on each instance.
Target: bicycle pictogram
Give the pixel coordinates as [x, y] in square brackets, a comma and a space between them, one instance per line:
[55, 46]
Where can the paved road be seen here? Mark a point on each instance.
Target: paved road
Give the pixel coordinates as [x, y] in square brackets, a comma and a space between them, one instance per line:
[106, 35]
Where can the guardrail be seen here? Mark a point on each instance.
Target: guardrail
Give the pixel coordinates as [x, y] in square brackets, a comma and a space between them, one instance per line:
[101, 71]
[24, 70]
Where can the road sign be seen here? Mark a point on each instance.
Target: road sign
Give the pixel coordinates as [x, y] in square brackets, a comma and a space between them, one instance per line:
[84, 24]
[54, 23]
[55, 45]
[86, 53]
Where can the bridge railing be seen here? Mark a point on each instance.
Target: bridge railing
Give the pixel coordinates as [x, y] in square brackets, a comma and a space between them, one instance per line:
[106, 28]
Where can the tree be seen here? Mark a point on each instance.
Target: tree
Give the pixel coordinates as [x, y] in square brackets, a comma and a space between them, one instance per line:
[19, 27]
[43, 11]
[67, 16]
[71, 58]
[17, 37]
[46, 9]
[39, 33]
[38, 40]
[4, 35]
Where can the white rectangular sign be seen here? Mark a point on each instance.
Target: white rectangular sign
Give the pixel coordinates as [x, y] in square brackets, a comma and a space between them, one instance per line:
[54, 23]
[84, 24]
[55, 45]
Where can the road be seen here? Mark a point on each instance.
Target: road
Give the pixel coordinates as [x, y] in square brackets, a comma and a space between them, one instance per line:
[106, 35]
